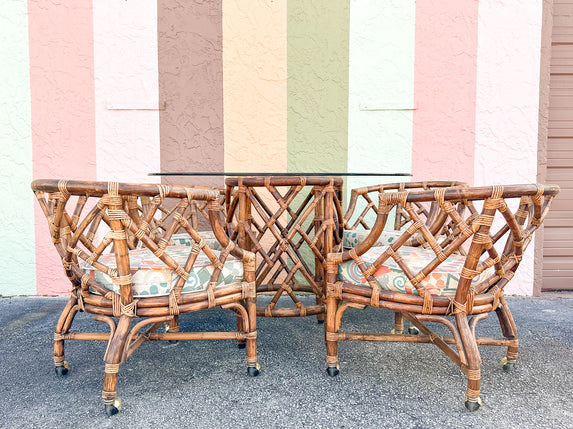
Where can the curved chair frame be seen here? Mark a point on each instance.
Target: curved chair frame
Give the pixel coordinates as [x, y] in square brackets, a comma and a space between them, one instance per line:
[362, 211]
[90, 220]
[472, 302]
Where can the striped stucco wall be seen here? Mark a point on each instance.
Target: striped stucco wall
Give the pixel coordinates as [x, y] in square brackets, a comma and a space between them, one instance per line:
[62, 106]
[17, 210]
[115, 90]
[255, 85]
[381, 89]
[507, 105]
[317, 55]
[127, 102]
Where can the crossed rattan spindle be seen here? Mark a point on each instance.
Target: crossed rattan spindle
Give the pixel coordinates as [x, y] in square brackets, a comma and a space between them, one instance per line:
[197, 214]
[98, 226]
[289, 223]
[493, 239]
[362, 210]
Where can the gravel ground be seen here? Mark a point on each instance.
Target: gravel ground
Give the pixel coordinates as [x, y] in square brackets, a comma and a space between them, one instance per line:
[204, 383]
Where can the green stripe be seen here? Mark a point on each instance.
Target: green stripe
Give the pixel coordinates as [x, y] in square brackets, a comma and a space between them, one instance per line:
[18, 241]
[317, 87]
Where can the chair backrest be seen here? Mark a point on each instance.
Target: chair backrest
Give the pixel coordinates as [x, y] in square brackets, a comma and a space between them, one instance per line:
[495, 226]
[362, 208]
[88, 220]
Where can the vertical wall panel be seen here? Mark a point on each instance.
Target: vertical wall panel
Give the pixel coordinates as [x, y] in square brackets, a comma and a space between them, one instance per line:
[507, 105]
[317, 89]
[254, 82]
[62, 94]
[191, 86]
[445, 89]
[17, 217]
[126, 90]
[381, 89]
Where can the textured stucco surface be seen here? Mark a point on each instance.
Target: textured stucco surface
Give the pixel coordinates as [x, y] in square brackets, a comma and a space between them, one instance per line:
[126, 90]
[381, 89]
[191, 85]
[507, 105]
[62, 97]
[445, 89]
[17, 216]
[254, 85]
[317, 89]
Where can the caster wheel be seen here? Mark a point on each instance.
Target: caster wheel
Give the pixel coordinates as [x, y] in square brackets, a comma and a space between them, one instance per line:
[396, 332]
[62, 368]
[253, 371]
[333, 371]
[173, 341]
[508, 365]
[113, 407]
[241, 345]
[320, 322]
[473, 404]
[412, 330]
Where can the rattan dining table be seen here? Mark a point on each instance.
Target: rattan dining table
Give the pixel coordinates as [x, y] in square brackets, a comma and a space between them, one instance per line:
[291, 221]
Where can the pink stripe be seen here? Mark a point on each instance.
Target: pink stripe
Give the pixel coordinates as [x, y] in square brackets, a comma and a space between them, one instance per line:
[445, 90]
[62, 98]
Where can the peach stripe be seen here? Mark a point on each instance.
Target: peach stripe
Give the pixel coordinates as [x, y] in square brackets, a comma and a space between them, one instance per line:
[62, 105]
[445, 89]
[254, 85]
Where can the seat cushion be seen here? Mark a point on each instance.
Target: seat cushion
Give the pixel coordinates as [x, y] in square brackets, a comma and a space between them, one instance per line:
[353, 237]
[151, 277]
[442, 281]
[184, 239]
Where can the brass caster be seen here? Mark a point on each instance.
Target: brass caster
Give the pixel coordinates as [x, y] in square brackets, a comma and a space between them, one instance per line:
[473, 404]
[253, 370]
[412, 330]
[62, 368]
[333, 370]
[508, 365]
[395, 332]
[113, 407]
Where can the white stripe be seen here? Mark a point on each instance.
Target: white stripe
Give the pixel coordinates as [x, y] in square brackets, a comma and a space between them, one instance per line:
[126, 90]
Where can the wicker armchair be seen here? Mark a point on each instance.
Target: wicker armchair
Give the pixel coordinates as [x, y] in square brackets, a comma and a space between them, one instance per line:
[125, 270]
[361, 216]
[455, 281]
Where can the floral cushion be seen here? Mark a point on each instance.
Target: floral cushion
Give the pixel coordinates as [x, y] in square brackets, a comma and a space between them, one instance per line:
[184, 239]
[353, 238]
[151, 277]
[442, 281]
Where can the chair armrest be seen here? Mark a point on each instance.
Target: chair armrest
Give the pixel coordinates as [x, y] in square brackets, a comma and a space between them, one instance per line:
[484, 231]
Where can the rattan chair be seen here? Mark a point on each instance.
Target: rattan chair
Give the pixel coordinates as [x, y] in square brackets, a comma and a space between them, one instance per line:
[126, 271]
[455, 281]
[361, 214]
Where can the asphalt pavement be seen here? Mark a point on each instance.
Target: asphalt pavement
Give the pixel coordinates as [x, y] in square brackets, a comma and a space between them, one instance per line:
[204, 383]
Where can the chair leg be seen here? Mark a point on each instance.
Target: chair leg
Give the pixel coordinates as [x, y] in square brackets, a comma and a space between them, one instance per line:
[241, 328]
[472, 369]
[174, 327]
[61, 366]
[332, 368]
[253, 366]
[509, 331]
[113, 359]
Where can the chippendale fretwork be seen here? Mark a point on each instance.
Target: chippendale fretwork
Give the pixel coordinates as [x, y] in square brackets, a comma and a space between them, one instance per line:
[291, 225]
